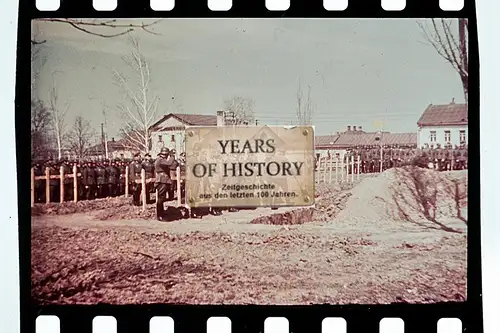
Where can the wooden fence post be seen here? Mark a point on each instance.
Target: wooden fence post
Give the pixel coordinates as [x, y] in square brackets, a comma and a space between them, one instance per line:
[330, 167]
[342, 169]
[47, 185]
[359, 167]
[325, 166]
[32, 187]
[61, 184]
[143, 189]
[336, 170]
[179, 192]
[352, 169]
[126, 181]
[75, 183]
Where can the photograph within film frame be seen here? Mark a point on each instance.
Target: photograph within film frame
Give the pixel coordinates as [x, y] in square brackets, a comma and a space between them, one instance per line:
[388, 234]
[250, 166]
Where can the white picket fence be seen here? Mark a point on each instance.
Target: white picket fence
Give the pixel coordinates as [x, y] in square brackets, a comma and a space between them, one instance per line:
[335, 170]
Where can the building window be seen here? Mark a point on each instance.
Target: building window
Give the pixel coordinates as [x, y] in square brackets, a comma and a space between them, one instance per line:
[463, 139]
[172, 138]
[159, 138]
[433, 136]
[447, 136]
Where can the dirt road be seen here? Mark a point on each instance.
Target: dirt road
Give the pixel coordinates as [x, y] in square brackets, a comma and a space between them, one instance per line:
[227, 260]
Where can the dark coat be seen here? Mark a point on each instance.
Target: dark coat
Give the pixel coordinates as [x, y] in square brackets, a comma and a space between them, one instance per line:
[100, 174]
[134, 171]
[162, 169]
[112, 173]
[89, 176]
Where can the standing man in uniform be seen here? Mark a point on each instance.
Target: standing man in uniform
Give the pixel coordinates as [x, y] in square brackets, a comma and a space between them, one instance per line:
[54, 182]
[68, 181]
[122, 169]
[100, 173]
[163, 181]
[172, 189]
[112, 175]
[135, 169]
[149, 169]
[39, 183]
[89, 181]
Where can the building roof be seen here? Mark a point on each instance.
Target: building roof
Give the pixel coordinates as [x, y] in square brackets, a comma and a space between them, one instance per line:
[325, 140]
[449, 114]
[347, 140]
[190, 119]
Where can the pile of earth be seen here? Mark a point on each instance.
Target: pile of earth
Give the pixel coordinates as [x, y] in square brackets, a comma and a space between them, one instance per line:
[409, 194]
[330, 200]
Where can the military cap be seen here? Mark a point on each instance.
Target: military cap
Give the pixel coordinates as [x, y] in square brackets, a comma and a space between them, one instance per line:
[164, 151]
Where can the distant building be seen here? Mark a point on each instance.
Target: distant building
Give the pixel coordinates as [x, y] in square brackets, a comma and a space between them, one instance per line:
[117, 149]
[443, 125]
[169, 130]
[354, 138]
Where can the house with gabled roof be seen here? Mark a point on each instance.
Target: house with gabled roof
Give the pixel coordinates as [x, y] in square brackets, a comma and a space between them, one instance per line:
[443, 125]
[169, 130]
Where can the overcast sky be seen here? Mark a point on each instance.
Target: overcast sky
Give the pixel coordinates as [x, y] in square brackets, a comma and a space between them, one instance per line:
[361, 71]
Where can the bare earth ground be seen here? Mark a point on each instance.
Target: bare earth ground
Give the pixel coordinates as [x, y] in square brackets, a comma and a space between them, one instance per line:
[382, 241]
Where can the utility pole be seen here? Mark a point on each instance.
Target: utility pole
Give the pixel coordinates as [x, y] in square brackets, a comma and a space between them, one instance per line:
[104, 128]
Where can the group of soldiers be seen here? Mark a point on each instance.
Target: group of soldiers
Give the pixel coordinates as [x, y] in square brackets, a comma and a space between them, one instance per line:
[438, 159]
[106, 178]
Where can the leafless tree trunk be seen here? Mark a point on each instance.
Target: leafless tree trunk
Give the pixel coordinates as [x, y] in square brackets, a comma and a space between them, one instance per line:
[106, 28]
[452, 45]
[240, 110]
[139, 108]
[305, 107]
[57, 116]
[80, 137]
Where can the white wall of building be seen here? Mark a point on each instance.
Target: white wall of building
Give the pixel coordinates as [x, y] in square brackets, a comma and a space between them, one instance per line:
[425, 135]
[170, 138]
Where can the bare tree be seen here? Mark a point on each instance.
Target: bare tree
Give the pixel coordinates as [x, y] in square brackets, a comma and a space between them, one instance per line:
[40, 122]
[139, 106]
[80, 137]
[105, 28]
[240, 110]
[305, 107]
[451, 42]
[57, 116]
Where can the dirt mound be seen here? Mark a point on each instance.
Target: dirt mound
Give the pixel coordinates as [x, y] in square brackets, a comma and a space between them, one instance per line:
[410, 194]
[330, 200]
[297, 216]
[70, 207]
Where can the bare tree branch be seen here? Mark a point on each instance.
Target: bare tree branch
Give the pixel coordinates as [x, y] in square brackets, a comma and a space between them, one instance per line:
[37, 62]
[139, 108]
[305, 107]
[452, 48]
[80, 137]
[240, 110]
[90, 26]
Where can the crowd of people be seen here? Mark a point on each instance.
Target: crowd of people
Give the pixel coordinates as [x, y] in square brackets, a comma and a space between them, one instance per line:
[372, 159]
[102, 178]
[107, 178]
